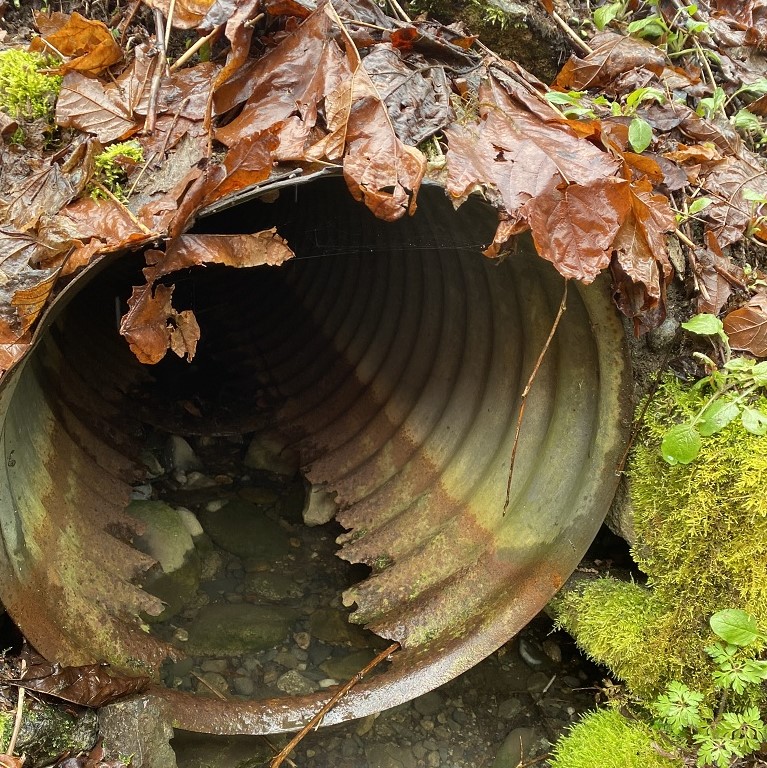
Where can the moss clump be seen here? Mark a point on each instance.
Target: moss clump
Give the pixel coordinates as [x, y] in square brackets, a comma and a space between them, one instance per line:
[25, 91]
[606, 739]
[112, 164]
[615, 623]
[701, 538]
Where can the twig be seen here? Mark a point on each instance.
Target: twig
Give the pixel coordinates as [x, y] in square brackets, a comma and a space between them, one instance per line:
[17, 722]
[209, 686]
[143, 169]
[181, 60]
[364, 24]
[565, 27]
[276, 751]
[169, 23]
[534, 761]
[127, 19]
[398, 10]
[317, 719]
[686, 240]
[526, 392]
[159, 69]
[125, 208]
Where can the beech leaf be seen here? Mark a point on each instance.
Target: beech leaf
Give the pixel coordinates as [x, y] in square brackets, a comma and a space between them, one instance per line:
[747, 326]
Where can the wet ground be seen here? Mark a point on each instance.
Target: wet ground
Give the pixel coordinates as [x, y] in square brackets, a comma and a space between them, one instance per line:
[254, 605]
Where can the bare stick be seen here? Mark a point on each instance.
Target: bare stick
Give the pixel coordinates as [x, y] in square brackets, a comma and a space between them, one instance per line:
[17, 722]
[209, 686]
[317, 719]
[194, 48]
[399, 11]
[565, 27]
[169, 23]
[526, 392]
[159, 69]
[125, 208]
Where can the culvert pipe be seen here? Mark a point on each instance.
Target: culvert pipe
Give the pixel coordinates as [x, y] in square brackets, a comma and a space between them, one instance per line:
[393, 357]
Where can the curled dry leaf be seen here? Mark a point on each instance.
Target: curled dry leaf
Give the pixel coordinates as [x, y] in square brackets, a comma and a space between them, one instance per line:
[187, 14]
[747, 326]
[88, 44]
[152, 325]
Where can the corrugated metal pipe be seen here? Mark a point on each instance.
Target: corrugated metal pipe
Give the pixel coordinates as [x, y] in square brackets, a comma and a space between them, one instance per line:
[399, 355]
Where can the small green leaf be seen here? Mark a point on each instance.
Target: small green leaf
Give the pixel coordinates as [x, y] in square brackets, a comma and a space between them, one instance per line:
[605, 14]
[640, 134]
[759, 372]
[717, 416]
[652, 26]
[681, 444]
[753, 195]
[557, 97]
[735, 626]
[754, 421]
[699, 204]
[741, 365]
[704, 325]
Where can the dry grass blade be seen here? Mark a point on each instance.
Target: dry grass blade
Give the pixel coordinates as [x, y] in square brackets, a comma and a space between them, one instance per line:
[526, 392]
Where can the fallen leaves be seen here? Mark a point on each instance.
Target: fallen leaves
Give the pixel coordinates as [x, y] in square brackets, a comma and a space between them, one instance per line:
[747, 326]
[152, 326]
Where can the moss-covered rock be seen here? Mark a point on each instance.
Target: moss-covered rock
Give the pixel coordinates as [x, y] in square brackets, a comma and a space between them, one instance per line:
[606, 739]
[701, 538]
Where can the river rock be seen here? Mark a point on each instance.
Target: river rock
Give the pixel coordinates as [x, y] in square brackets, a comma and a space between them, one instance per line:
[199, 750]
[180, 456]
[520, 745]
[271, 453]
[235, 629]
[272, 586]
[244, 530]
[167, 539]
[333, 627]
[295, 684]
[345, 667]
[139, 727]
[389, 756]
[320, 507]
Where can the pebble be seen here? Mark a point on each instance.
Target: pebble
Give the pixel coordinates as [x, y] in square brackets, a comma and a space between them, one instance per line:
[214, 665]
[294, 684]
[302, 640]
[244, 686]
[327, 682]
[215, 681]
[215, 505]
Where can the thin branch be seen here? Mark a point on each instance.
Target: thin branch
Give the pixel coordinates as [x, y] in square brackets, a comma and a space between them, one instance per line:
[317, 719]
[565, 27]
[399, 11]
[526, 392]
[125, 208]
[194, 48]
[17, 722]
[159, 70]
[215, 691]
[169, 23]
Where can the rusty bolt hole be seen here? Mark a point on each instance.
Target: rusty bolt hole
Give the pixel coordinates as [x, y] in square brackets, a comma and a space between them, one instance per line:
[390, 358]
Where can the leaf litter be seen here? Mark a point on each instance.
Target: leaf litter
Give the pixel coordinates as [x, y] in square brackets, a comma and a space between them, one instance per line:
[345, 85]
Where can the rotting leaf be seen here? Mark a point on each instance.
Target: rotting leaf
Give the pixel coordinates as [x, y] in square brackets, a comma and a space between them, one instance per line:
[90, 685]
[187, 14]
[84, 103]
[747, 326]
[24, 286]
[152, 325]
[87, 43]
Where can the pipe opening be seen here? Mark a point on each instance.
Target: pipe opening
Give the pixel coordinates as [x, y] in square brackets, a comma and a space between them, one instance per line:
[387, 361]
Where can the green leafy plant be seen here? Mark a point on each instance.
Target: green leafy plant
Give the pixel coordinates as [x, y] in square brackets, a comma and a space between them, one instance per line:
[736, 730]
[732, 386]
[608, 13]
[26, 92]
[111, 167]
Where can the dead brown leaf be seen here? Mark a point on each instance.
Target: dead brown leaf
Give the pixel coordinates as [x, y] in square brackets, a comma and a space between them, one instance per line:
[747, 326]
[87, 43]
[88, 686]
[85, 104]
[187, 14]
[152, 326]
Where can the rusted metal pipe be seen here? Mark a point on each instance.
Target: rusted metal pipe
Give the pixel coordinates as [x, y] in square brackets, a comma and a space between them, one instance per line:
[399, 354]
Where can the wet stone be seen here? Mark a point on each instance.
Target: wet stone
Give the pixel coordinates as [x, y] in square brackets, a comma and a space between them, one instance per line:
[272, 586]
[214, 681]
[429, 704]
[294, 684]
[389, 756]
[230, 630]
[332, 626]
[345, 667]
[244, 530]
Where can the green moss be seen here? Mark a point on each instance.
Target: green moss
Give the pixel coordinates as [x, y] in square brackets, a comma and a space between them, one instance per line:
[111, 165]
[25, 91]
[606, 739]
[6, 729]
[614, 623]
[701, 538]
